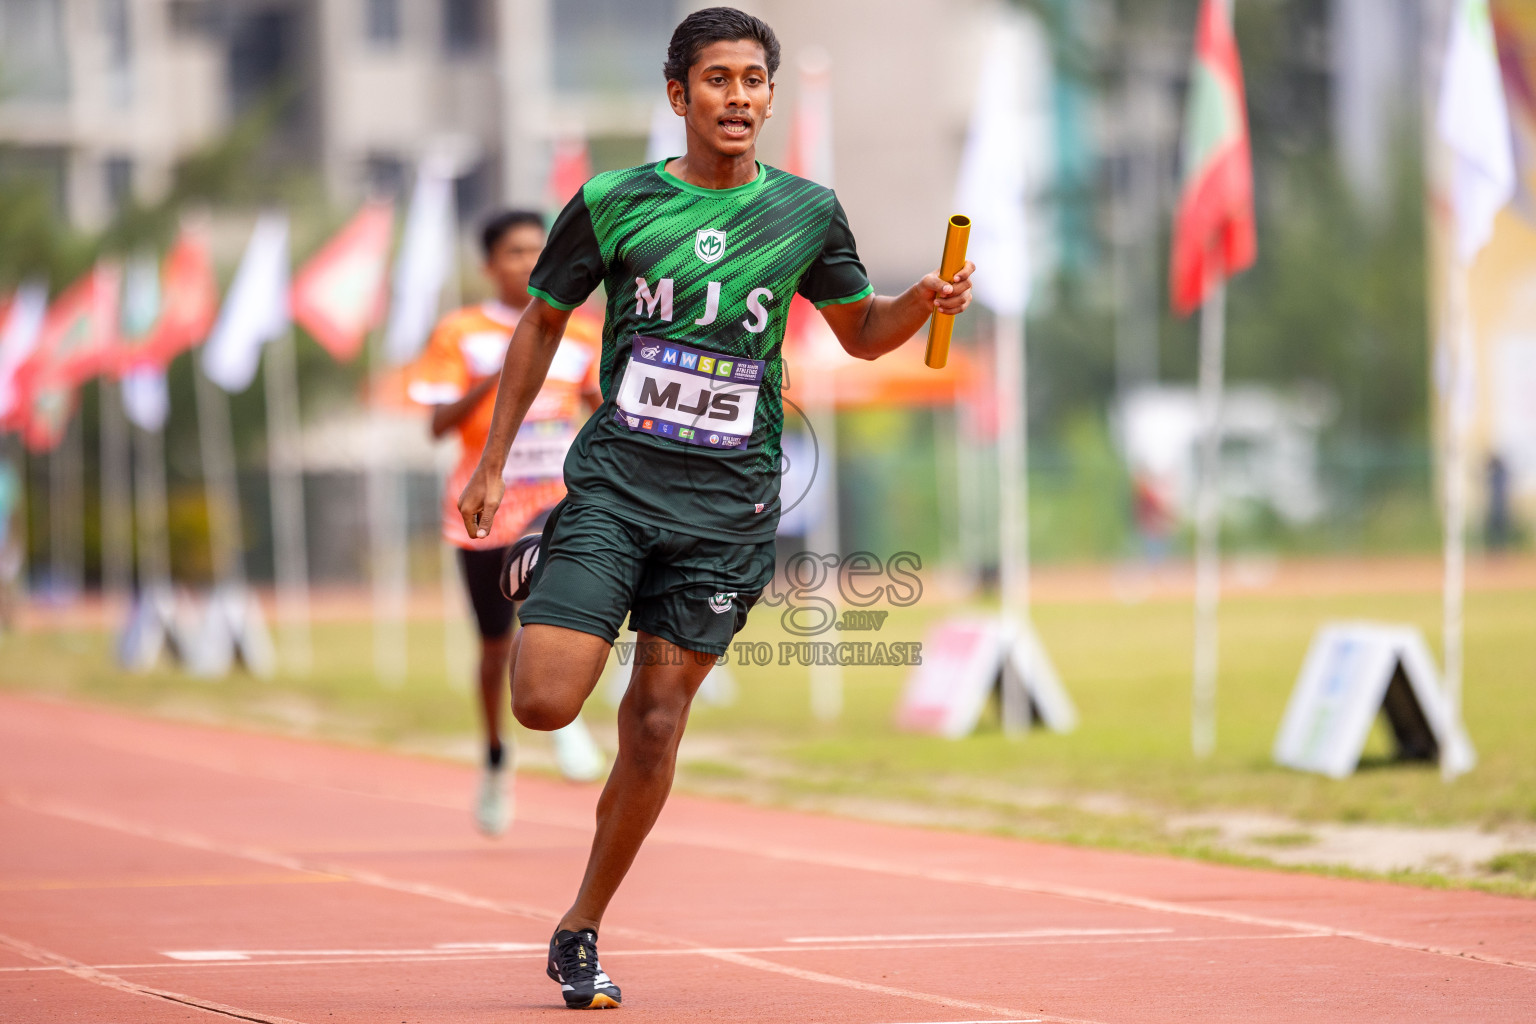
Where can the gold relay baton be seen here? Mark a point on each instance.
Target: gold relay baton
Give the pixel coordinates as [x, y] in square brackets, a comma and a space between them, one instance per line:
[942, 324]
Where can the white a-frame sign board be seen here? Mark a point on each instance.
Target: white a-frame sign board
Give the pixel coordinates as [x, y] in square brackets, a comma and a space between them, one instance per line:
[232, 627]
[151, 629]
[1352, 672]
[965, 662]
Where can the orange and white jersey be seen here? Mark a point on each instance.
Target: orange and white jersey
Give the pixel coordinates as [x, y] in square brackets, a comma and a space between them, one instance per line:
[468, 346]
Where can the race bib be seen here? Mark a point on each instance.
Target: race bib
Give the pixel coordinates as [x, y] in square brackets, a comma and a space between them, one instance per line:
[689, 394]
[538, 452]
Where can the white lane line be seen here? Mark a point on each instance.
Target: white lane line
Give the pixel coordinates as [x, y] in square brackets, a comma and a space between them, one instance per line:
[261, 855]
[1033, 933]
[623, 953]
[895, 870]
[444, 894]
[441, 949]
[98, 977]
[1006, 1012]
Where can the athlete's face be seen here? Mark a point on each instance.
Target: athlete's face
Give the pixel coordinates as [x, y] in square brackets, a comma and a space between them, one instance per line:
[511, 262]
[729, 96]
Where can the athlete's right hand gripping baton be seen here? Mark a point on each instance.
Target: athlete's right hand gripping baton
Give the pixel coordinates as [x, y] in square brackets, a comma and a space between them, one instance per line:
[942, 324]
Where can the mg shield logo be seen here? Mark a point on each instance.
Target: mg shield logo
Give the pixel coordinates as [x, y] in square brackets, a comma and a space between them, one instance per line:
[721, 603]
[709, 245]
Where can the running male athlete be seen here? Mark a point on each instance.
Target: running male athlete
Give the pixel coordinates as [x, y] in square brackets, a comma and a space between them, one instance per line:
[456, 377]
[674, 482]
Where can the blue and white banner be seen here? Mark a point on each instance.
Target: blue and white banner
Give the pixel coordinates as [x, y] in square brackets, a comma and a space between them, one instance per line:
[689, 394]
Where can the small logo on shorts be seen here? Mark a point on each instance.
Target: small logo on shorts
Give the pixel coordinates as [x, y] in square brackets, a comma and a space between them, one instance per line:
[721, 603]
[758, 508]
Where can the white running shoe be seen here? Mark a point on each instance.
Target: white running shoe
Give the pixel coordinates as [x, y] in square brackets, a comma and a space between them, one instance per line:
[493, 805]
[576, 753]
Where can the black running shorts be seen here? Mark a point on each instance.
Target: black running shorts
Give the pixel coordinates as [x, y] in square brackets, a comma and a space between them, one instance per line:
[482, 571]
[595, 568]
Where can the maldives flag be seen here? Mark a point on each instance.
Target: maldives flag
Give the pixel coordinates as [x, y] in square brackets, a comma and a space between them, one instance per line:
[50, 403]
[1213, 232]
[79, 334]
[189, 301]
[338, 296]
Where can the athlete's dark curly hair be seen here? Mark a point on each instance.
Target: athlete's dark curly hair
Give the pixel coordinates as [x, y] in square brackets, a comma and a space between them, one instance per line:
[716, 25]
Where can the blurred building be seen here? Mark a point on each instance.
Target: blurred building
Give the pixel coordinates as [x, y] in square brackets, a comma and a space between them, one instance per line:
[102, 97]
[99, 97]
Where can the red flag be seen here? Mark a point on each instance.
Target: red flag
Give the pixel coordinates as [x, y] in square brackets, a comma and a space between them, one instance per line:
[78, 340]
[189, 301]
[338, 296]
[44, 417]
[569, 169]
[79, 334]
[1213, 230]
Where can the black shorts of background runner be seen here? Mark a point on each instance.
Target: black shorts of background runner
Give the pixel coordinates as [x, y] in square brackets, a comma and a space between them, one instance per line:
[692, 591]
[482, 569]
[482, 579]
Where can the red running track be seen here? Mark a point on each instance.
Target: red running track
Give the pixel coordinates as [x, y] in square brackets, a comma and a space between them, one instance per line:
[154, 871]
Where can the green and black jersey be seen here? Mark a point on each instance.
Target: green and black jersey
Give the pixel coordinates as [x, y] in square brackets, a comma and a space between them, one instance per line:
[699, 283]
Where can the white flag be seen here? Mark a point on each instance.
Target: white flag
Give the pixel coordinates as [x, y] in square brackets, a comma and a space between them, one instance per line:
[424, 264]
[991, 186]
[1473, 122]
[255, 311]
[18, 337]
[146, 399]
[668, 136]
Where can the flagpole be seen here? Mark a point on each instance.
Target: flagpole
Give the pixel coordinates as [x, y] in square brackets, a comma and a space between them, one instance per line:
[1455, 426]
[825, 539]
[1012, 507]
[1013, 512]
[66, 493]
[1208, 516]
[221, 489]
[387, 556]
[967, 486]
[150, 510]
[116, 502]
[945, 483]
[457, 641]
[286, 476]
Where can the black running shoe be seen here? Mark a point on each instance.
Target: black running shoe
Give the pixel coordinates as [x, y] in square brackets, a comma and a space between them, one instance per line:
[573, 963]
[522, 556]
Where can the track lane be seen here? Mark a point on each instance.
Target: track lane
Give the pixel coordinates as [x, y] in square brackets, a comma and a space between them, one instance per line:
[720, 893]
